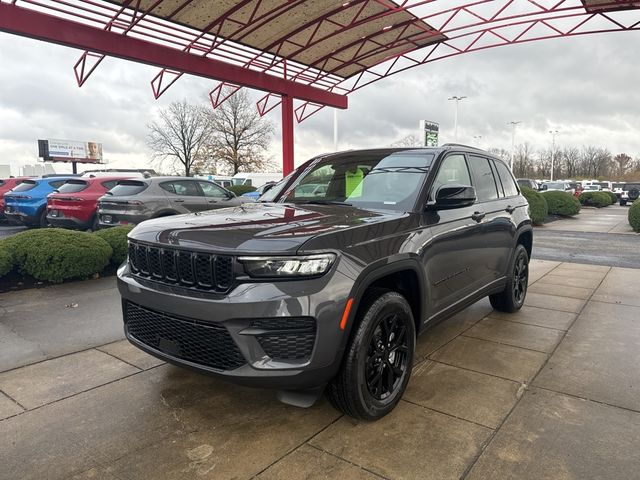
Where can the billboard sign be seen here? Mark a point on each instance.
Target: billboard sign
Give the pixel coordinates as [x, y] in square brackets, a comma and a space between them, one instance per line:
[429, 133]
[70, 151]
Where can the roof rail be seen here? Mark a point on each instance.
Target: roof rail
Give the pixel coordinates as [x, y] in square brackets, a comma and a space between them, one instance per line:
[460, 145]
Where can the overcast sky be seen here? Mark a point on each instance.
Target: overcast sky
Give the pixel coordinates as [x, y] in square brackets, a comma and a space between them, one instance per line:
[585, 87]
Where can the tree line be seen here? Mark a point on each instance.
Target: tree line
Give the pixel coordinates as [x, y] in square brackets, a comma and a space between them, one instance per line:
[587, 162]
[192, 139]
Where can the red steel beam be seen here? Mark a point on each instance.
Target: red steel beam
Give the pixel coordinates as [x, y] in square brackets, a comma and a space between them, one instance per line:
[33, 24]
[287, 135]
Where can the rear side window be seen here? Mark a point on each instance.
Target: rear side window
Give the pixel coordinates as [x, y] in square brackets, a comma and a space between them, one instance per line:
[73, 186]
[24, 186]
[128, 187]
[109, 184]
[484, 181]
[57, 183]
[182, 187]
[508, 182]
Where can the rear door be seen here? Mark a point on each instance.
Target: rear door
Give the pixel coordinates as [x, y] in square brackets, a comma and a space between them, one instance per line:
[498, 230]
[184, 195]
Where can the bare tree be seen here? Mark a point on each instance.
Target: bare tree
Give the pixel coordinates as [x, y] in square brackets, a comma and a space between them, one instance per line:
[570, 158]
[240, 137]
[408, 141]
[523, 164]
[623, 164]
[179, 136]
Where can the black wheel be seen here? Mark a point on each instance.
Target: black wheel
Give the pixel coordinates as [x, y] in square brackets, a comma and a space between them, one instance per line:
[42, 221]
[95, 224]
[512, 297]
[623, 203]
[378, 361]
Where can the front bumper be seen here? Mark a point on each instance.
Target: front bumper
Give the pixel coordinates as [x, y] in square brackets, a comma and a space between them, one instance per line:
[285, 358]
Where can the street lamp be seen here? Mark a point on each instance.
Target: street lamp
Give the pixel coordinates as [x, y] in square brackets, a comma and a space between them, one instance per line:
[513, 141]
[457, 98]
[553, 149]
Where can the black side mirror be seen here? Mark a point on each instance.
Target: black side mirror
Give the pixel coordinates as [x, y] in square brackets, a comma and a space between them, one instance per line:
[453, 196]
[267, 187]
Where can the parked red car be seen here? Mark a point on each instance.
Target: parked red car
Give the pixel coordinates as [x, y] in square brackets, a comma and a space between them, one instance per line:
[7, 184]
[75, 203]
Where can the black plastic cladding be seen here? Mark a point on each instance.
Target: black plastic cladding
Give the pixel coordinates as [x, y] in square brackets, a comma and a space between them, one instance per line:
[172, 266]
[287, 338]
[204, 344]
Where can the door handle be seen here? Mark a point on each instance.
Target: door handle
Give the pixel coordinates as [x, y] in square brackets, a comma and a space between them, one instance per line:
[213, 201]
[179, 200]
[478, 216]
[510, 209]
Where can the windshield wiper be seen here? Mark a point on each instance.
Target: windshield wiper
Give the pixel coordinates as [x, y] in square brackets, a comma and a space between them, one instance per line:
[325, 202]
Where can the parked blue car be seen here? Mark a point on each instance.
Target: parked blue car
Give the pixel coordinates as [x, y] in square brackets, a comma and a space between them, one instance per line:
[27, 202]
[256, 194]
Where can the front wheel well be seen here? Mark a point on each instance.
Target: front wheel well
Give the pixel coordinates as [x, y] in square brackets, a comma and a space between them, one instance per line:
[406, 283]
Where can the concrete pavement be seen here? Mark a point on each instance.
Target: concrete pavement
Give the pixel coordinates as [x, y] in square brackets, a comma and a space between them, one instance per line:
[548, 392]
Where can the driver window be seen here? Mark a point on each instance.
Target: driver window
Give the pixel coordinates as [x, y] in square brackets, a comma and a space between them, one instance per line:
[452, 170]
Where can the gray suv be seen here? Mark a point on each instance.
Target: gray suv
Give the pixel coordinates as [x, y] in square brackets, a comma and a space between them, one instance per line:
[133, 201]
[305, 289]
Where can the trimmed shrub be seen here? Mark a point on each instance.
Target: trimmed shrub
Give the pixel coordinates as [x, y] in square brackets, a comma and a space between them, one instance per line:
[561, 203]
[240, 189]
[634, 216]
[613, 197]
[116, 237]
[6, 262]
[594, 199]
[538, 208]
[55, 254]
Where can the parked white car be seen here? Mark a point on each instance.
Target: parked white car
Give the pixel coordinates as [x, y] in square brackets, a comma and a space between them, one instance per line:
[558, 186]
[255, 179]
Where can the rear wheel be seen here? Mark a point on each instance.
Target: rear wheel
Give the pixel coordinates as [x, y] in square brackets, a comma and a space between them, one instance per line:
[378, 361]
[42, 220]
[95, 224]
[623, 203]
[512, 297]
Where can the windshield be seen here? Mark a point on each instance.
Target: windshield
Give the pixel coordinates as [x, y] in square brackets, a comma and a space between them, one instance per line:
[238, 181]
[128, 187]
[379, 180]
[24, 186]
[73, 186]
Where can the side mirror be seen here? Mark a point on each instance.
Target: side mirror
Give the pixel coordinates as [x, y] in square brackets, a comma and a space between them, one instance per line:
[454, 196]
[267, 187]
[232, 194]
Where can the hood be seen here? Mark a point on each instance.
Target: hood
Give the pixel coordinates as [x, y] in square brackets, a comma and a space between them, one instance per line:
[256, 227]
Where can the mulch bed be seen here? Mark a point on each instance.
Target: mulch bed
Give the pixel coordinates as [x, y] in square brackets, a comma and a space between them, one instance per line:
[15, 281]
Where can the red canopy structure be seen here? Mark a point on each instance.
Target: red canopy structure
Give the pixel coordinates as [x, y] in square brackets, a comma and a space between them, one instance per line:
[315, 52]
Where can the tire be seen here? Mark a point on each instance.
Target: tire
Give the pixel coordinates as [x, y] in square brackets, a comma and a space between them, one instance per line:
[512, 297]
[634, 194]
[623, 203]
[42, 220]
[95, 224]
[374, 376]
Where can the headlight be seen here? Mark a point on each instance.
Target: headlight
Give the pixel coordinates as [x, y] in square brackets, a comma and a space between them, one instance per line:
[288, 267]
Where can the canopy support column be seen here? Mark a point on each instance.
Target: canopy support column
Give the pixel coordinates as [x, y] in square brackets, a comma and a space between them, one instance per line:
[287, 134]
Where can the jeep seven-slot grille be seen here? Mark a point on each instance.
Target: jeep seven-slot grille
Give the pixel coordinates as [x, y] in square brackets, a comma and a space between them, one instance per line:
[187, 339]
[202, 271]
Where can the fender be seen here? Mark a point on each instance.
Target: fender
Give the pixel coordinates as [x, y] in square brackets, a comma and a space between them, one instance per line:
[373, 273]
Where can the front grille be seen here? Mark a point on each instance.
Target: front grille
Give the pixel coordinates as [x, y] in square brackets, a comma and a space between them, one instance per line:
[286, 338]
[172, 266]
[186, 339]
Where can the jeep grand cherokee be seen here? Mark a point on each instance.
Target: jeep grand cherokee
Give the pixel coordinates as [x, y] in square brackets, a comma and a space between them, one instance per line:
[306, 290]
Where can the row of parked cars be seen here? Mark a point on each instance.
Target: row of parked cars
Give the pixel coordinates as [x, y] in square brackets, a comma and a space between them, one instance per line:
[626, 192]
[95, 201]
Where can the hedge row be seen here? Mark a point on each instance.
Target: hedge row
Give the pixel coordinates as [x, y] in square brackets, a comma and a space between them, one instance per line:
[562, 203]
[538, 208]
[241, 189]
[634, 216]
[596, 199]
[56, 254]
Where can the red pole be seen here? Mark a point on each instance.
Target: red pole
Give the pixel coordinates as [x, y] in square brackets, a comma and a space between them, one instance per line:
[287, 134]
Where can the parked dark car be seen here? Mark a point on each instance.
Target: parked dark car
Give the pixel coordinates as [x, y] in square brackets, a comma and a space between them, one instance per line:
[7, 184]
[75, 204]
[630, 193]
[300, 292]
[26, 203]
[135, 200]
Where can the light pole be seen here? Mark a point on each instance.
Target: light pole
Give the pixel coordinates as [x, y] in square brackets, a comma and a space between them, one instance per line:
[513, 141]
[553, 149]
[457, 98]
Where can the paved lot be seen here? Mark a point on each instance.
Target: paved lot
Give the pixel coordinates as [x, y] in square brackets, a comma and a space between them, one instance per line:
[8, 230]
[612, 219]
[550, 392]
